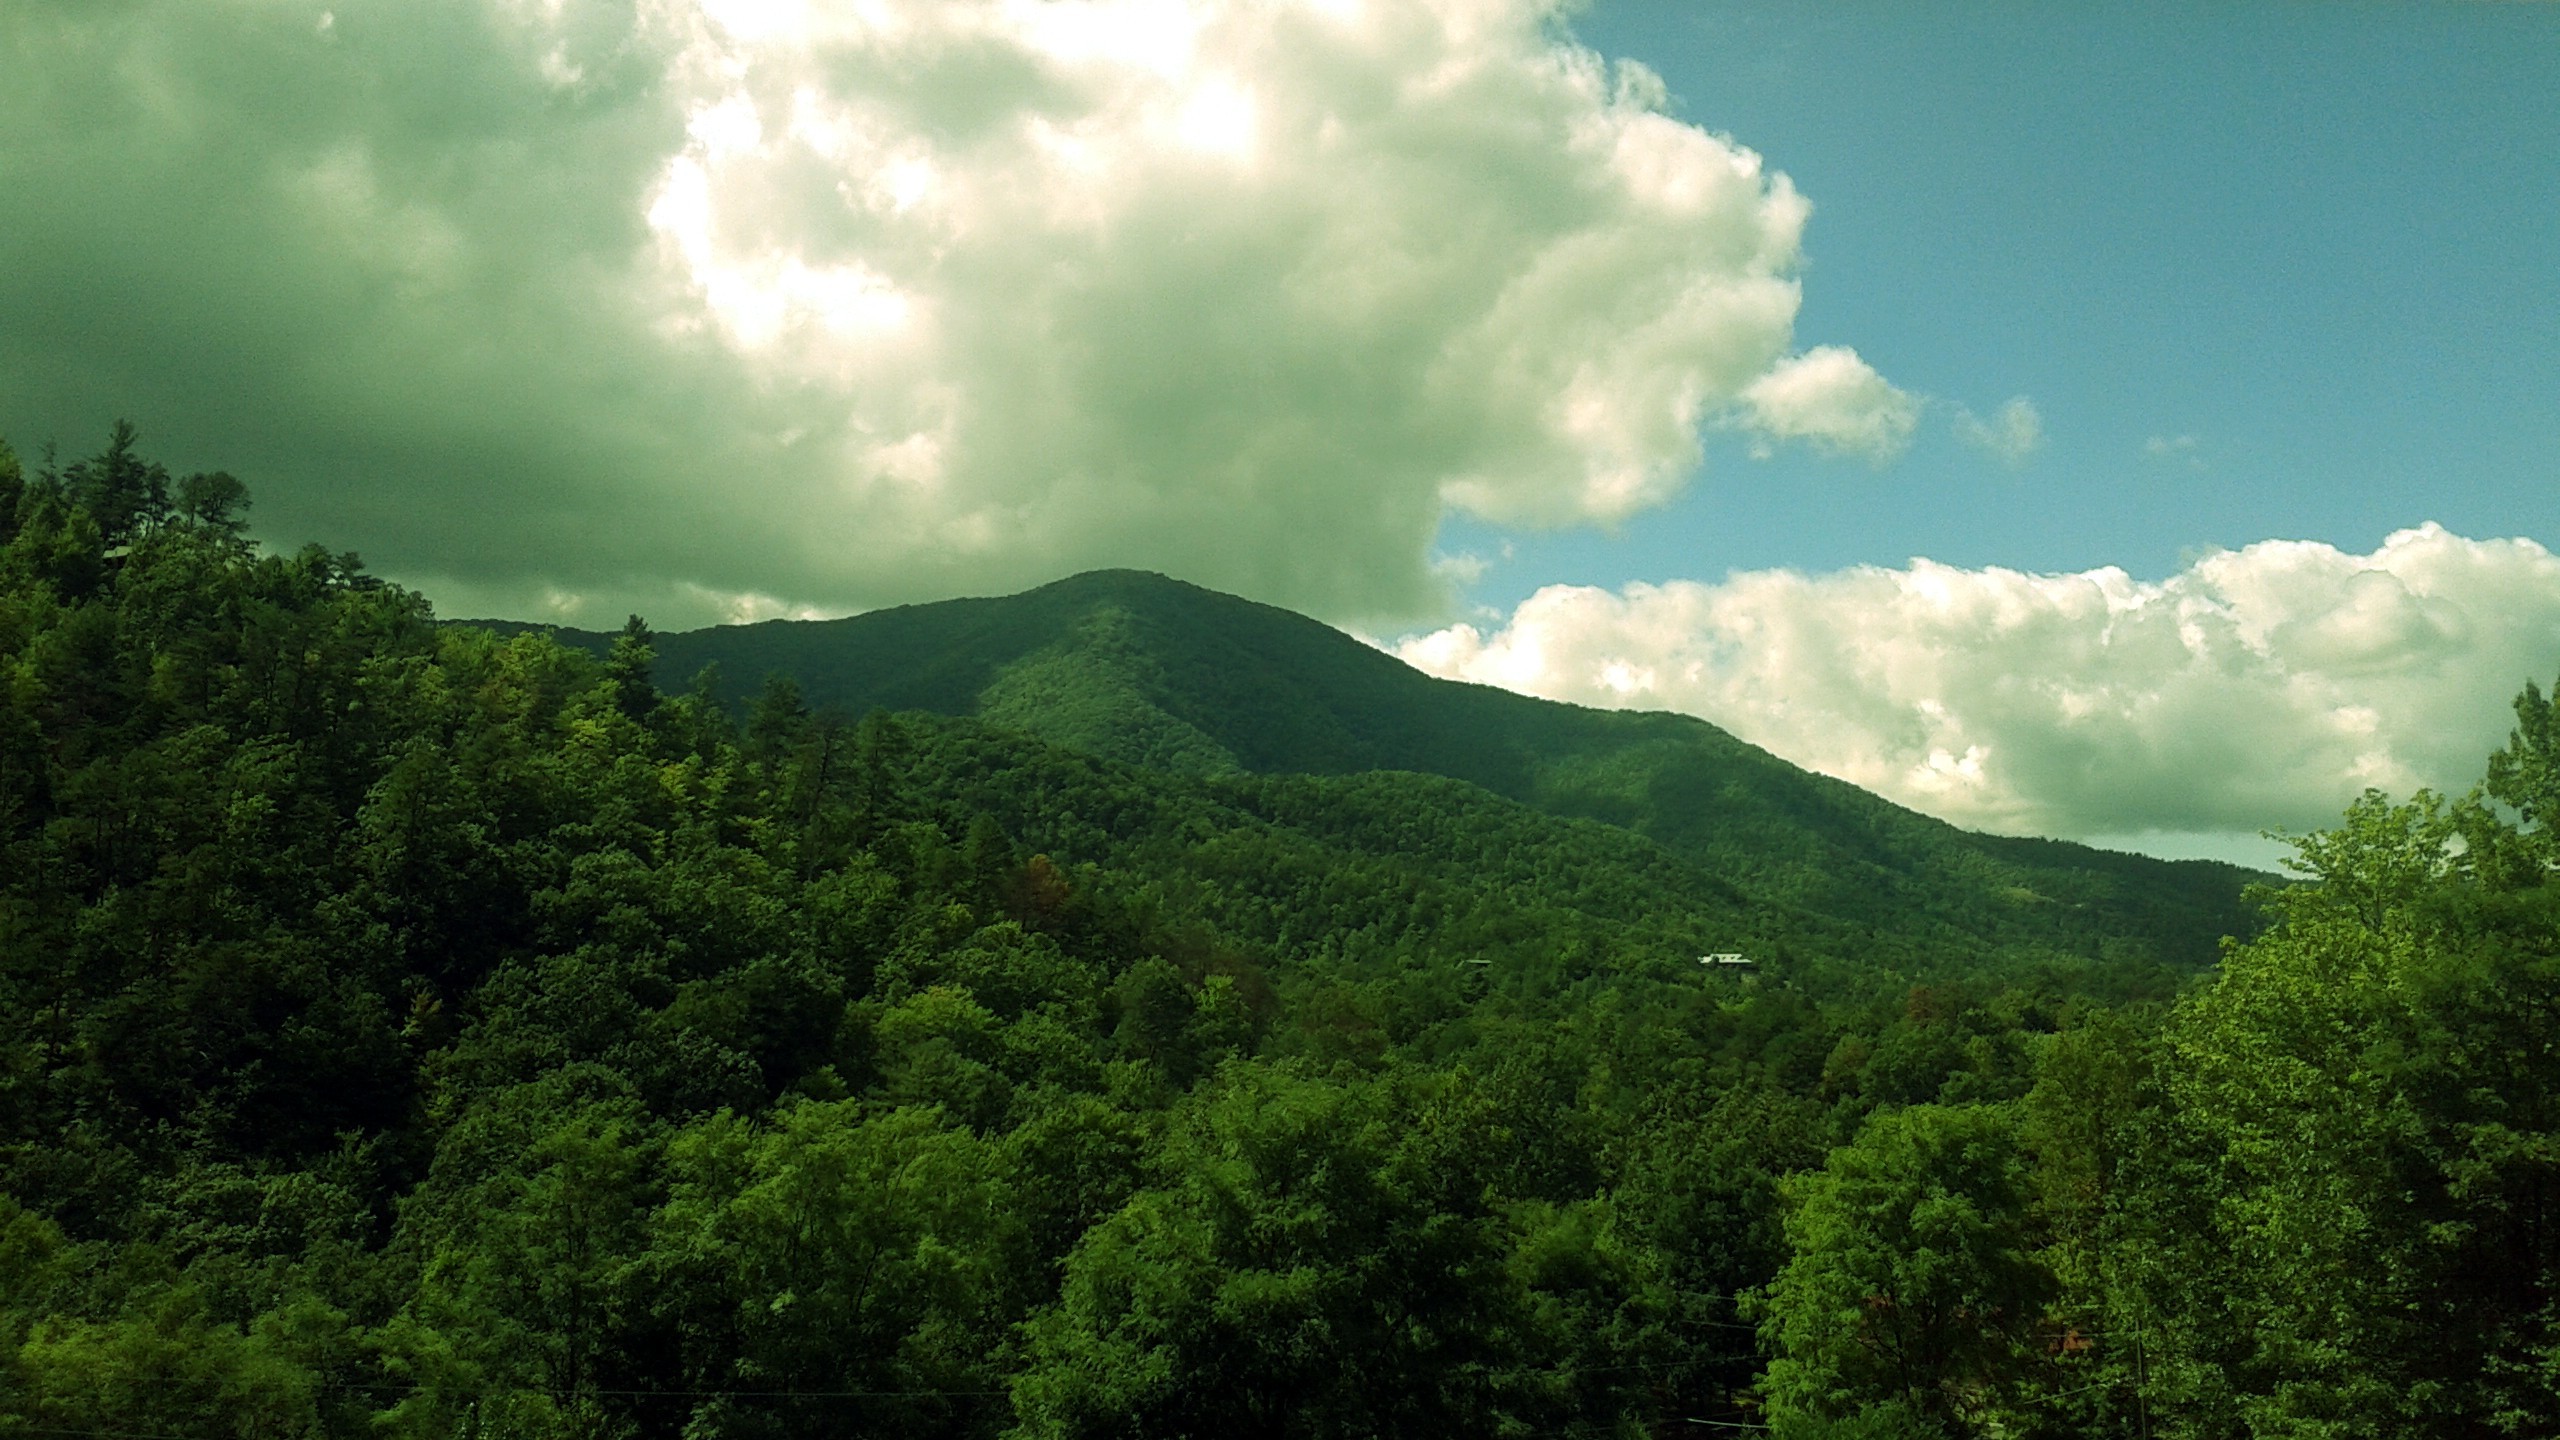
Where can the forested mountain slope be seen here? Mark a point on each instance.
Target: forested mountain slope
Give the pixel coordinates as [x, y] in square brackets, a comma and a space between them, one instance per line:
[1165, 675]
[413, 1033]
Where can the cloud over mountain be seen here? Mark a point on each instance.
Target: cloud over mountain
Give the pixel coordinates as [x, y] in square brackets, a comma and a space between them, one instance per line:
[2260, 686]
[717, 308]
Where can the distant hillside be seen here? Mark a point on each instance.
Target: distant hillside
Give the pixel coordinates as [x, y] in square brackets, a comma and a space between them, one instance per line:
[1149, 671]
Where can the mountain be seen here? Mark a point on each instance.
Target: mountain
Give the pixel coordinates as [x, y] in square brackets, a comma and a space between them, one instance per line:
[1187, 682]
[406, 1029]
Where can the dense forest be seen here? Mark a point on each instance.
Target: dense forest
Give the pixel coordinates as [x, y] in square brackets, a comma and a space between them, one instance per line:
[412, 1029]
[1183, 681]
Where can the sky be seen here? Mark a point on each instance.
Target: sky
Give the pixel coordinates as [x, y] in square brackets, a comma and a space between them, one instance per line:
[2132, 422]
[2274, 270]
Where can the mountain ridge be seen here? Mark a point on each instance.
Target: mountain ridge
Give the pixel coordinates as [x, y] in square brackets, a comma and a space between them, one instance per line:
[1186, 681]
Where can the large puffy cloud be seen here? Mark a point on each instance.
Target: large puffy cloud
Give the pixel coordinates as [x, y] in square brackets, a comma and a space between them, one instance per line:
[2259, 687]
[717, 307]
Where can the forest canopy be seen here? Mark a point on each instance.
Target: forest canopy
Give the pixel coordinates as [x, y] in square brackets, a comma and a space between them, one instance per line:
[410, 1030]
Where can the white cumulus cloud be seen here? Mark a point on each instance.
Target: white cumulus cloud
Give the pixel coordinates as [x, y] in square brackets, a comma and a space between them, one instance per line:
[1834, 399]
[2258, 687]
[637, 301]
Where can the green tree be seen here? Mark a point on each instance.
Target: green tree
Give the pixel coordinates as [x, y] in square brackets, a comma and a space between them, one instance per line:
[2374, 1109]
[777, 721]
[214, 501]
[13, 490]
[1295, 1272]
[124, 493]
[874, 1263]
[1912, 1283]
[2524, 775]
[2379, 861]
[628, 669]
[536, 1224]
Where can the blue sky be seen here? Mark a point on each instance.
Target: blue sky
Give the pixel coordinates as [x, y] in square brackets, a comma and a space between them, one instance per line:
[2313, 250]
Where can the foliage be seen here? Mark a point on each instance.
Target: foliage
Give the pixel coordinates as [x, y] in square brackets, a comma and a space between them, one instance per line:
[1910, 1286]
[408, 1029]
[1181, 681]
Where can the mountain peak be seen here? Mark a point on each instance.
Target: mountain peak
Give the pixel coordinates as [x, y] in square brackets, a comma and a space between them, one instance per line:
[1147, 670]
